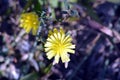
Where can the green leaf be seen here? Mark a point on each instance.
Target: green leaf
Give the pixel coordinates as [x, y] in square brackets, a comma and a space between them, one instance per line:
[73, 1]
[41, 2]
[47, 69]
[31, 76]
[53, 3]
[1, 74]
[37, 6]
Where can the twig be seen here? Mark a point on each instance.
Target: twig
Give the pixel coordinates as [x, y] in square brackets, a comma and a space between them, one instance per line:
[86, 57]
[104, 29]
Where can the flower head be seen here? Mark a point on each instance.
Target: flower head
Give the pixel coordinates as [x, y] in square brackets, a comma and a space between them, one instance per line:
[58, 45]
[30, 21]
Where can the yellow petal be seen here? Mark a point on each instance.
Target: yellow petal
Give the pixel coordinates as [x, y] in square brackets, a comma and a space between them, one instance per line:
[65, 57]
[62, 37]
[55, 30]
[52, 37]
[28, 29]
[62, 31]
[70, 51]
[55, 35]
[50, 54]
[59, 36]
[67, 39]
[70, 46]
[50, 33]
[47, 49]
[57, 56]
[49, 39]
[21, 25]
[48, 44]
[34, 31]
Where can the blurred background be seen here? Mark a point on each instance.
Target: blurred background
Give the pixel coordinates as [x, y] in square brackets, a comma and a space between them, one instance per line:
[93, 24]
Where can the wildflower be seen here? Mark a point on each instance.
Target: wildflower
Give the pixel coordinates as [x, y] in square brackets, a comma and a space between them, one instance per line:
[30, 22]
[58, 45]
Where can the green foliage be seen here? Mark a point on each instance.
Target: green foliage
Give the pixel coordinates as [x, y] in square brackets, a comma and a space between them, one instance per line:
[47, 69]
[73, 1]
[37, 6]
[31, 76]
[54, 3]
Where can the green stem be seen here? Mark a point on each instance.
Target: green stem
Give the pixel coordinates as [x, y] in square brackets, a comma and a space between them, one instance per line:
[27, 5]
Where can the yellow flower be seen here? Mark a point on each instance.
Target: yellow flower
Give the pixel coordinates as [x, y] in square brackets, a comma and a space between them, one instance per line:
[30, 21]
[58, 45]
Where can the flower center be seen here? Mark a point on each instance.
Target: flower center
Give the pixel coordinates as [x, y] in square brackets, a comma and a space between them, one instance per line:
[59, 46]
